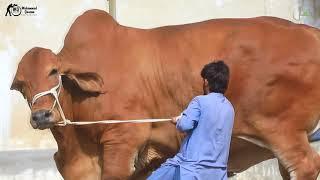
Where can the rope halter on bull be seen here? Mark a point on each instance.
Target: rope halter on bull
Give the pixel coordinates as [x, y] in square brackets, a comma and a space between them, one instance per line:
[55, 91]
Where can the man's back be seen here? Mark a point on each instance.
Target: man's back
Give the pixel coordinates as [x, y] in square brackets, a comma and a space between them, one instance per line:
[208, 142]
[208, 122]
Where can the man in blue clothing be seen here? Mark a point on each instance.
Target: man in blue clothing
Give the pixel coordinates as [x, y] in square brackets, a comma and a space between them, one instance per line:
[208, 122]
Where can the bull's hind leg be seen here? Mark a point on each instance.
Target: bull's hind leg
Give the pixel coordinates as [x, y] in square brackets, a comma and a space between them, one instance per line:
[296, 155]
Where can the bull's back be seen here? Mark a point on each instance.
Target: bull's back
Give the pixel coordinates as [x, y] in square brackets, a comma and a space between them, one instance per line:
[268, 58]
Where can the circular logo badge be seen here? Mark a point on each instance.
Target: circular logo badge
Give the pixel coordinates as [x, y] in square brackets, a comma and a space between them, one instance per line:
[16, 10]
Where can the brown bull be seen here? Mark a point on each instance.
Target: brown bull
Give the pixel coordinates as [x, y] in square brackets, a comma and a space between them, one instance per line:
[116, 72]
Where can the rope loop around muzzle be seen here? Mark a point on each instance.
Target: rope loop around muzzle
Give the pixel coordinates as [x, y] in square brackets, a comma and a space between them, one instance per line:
[55, 91]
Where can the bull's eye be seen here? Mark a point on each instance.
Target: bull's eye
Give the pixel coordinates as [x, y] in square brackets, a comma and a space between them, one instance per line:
[53, 72]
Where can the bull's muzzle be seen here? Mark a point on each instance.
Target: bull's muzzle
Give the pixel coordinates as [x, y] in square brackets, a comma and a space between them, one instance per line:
[42, 119]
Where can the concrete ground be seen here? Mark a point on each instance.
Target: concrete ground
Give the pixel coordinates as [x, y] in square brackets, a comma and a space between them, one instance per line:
[39, 165]
[28, 165]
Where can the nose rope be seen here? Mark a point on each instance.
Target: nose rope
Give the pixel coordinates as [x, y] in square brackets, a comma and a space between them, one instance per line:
[55, 91]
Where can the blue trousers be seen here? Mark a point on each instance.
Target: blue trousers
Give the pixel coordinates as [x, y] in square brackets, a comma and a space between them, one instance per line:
[166, 173]
[172, 172]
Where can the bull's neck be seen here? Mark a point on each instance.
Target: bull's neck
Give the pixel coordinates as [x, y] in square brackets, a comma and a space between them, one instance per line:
[65, 99]
[78, 105]
[65, 136]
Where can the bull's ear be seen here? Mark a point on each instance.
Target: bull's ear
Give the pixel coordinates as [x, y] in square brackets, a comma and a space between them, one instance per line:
[89, 82]
[16, 85]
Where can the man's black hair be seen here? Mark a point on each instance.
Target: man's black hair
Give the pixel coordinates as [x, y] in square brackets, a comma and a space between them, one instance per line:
[217, 75]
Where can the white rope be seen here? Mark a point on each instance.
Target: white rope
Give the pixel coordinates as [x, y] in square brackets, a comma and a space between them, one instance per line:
[55, 91]
[112, 121]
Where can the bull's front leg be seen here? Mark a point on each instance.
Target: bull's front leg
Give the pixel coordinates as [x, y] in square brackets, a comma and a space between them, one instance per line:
[121, 144]
[78, 166]
[72, 161]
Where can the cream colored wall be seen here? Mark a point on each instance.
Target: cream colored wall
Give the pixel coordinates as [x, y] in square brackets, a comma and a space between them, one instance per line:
[146, 13]
[17, 35]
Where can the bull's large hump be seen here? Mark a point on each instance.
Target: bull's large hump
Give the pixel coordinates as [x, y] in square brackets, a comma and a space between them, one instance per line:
[90, 25]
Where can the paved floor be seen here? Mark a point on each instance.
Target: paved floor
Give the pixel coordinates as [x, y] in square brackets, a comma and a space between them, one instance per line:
[39, 165]
[28, 165]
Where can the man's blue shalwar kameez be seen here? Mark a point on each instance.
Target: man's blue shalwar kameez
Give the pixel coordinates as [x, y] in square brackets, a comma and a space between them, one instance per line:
[208, 122]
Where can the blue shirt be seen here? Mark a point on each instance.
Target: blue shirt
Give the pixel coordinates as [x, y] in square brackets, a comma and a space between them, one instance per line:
[208, 122]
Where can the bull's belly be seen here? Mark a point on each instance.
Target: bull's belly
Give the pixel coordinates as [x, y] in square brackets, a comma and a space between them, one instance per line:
[313, 136]
[254, 141]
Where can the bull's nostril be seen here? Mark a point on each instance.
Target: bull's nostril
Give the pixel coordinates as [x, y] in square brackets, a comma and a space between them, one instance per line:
[41, 115]
[34, 117]
[47, 114]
